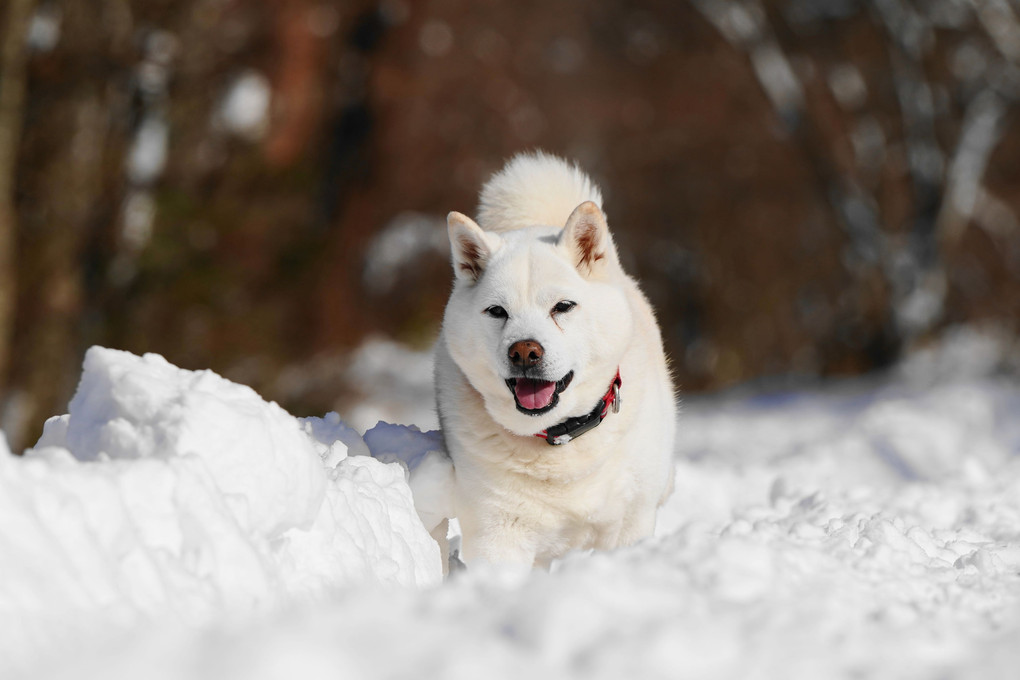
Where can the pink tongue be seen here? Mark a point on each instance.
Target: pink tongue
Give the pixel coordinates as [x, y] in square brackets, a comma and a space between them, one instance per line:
[534, 394]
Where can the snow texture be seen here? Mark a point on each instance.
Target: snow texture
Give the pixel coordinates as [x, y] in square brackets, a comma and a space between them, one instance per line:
[862, 530]
[176, 496]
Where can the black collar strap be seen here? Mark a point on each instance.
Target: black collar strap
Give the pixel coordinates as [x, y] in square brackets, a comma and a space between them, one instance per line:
[572, 428]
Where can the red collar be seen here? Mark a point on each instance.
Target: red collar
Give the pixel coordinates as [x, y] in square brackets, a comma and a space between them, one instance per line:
[572, 428]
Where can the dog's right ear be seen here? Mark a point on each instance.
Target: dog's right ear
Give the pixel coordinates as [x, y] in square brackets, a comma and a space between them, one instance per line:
[471, 247]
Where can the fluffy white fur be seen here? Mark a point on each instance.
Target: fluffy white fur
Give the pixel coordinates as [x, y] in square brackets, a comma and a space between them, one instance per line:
[520, 500]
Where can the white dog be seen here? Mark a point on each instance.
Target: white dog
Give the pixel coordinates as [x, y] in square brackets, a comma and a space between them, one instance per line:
[553, 390]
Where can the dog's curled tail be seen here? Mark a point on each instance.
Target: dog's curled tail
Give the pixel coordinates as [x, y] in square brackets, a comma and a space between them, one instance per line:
[534, 189]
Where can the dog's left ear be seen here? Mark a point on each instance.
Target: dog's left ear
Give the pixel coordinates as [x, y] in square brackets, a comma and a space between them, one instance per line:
[586, 238]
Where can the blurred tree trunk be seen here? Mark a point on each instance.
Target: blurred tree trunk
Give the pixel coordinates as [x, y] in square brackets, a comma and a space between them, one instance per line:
[13, 57]
[73, 168]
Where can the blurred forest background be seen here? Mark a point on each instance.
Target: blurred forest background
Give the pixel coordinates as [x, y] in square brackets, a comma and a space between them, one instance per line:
[806, 188]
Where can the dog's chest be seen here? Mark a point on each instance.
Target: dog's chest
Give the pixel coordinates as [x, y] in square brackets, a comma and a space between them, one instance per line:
[561, 489]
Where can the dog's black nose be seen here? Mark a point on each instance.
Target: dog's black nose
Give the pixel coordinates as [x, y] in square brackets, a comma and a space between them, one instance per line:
[525, 353]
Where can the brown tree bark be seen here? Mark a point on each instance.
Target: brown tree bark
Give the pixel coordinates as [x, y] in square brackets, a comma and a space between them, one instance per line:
[13, 58]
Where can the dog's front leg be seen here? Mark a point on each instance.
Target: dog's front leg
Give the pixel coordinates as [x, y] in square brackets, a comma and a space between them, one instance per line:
[639, 523]
[497, 540]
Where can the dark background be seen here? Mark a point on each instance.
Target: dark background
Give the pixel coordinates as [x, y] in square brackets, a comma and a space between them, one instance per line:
[806, 188]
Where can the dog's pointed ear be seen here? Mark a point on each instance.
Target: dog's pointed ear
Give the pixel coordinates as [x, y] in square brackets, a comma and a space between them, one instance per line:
[587, 240]
[470, 246]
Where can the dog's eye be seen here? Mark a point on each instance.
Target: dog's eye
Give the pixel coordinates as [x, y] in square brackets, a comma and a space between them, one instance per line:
[563, 306]
[496, 312]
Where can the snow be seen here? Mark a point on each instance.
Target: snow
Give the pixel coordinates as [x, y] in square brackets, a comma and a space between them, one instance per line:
[149, 150]
[175, 496]
[44, 28]
[246, 104]
[868, 529]
[396, 382]
[432, 478]
[400, 245]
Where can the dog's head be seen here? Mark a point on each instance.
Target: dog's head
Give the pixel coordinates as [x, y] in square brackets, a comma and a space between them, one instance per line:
[538, 319]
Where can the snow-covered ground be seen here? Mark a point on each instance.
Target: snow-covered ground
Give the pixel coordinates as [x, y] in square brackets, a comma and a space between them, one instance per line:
[176, 526]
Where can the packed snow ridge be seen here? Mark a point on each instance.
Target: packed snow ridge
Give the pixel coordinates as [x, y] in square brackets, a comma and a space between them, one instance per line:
[166, 492]
[175, 525]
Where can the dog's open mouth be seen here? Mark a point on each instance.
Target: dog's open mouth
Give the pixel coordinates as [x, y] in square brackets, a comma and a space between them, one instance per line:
[536, 397]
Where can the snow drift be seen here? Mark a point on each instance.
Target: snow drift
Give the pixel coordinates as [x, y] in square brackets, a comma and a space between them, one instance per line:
[171, 494]
[862, 530]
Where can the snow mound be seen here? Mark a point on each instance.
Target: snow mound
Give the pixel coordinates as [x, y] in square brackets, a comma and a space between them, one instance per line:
[430, 468]
[872, 532]
[167, 494]
[863, 530]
